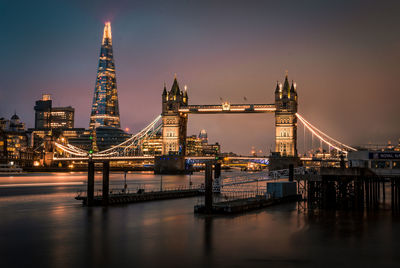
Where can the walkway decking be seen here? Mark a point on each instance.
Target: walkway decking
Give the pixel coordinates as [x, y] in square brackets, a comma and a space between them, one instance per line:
[115, 199]
[244, 205]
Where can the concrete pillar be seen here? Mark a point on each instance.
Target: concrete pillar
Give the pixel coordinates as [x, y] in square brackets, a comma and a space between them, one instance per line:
[90, 184]
[106, 182]
[208, 188]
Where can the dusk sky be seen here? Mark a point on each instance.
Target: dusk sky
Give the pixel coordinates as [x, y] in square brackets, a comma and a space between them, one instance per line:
[343, 55]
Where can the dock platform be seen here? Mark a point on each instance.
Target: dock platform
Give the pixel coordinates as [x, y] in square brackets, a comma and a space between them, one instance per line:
[116, 199]
[244, 205]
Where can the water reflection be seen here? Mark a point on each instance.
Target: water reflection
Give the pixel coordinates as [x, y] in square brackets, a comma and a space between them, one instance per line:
[44, 226]
[208, 222]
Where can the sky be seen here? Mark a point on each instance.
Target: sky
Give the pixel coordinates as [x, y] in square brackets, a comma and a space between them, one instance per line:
[343, 55]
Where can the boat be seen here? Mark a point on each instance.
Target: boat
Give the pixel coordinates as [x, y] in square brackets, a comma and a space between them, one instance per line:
[9, 169]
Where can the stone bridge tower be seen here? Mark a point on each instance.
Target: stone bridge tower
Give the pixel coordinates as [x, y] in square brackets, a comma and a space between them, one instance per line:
[285, 119]
[174, 122]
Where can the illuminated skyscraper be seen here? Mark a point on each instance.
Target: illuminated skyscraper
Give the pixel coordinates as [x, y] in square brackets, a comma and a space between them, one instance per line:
[105, 111]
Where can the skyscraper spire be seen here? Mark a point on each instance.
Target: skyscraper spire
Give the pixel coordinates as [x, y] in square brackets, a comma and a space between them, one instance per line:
[105, 110]
[107, 33]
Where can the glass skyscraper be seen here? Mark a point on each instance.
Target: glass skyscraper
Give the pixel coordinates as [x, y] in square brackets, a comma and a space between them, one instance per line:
[105, 111]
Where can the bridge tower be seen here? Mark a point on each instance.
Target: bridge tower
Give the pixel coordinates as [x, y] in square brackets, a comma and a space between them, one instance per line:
[285, 119]
[174, 122]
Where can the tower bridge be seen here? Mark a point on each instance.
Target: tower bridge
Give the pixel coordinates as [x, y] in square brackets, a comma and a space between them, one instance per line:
[176, 108]
[173, 125]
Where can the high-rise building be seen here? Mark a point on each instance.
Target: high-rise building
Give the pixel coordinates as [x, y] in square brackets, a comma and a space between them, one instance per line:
[52, 122]
[105, 111]
[43, 112]
[49, 117]
[62, 117]
[14, 142]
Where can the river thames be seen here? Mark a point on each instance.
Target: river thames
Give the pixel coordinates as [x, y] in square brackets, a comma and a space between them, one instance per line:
[42, 225]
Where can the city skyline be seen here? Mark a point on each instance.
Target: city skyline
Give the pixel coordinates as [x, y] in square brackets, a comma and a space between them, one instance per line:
[343, 89]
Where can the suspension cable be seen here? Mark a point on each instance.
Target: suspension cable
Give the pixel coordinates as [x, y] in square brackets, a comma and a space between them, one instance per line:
[314, 129]
[319, 136]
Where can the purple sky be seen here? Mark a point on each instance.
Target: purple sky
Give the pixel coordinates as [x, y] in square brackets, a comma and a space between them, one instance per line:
[344, 56]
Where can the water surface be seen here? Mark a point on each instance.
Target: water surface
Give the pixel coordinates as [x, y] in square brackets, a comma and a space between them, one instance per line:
[42, 225]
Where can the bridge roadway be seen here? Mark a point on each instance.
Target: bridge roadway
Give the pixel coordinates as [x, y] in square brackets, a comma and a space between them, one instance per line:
[228, 108]
[129, 158]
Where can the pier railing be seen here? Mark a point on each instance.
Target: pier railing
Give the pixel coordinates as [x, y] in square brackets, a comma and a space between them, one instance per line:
[139, 190]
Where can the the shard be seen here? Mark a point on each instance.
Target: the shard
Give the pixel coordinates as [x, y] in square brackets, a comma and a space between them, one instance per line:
[105, 111]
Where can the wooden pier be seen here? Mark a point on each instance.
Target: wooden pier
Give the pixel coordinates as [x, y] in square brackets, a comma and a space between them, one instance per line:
[244, 205]
[349, 189]
[115, 199]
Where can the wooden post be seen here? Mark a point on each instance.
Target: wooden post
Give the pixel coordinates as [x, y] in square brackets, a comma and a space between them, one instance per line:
[291, 172]
[208, 188]
[396, 199]
[106, 182]
[379, 189]
[367, 193]
[392, 193]
[90, 184]
[217, 170]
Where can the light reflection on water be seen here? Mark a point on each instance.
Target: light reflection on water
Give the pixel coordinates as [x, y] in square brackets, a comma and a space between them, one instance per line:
[44, 226]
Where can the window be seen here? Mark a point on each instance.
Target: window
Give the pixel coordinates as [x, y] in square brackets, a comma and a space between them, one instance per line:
[396, 164]
[380, 164]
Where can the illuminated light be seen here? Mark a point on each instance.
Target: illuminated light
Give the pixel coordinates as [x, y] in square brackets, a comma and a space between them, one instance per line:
[69, 150]
[265, 109]
[210, 109]
[104, 116]
[76, 149]
[226, 106]
[107, 32]
[71, 166]
[316, 134]
[183, 110]
[127, 129]
[310, 126]
[36, 163]
[46, 97]
[131, 141]
[237, 109]
[185, 87]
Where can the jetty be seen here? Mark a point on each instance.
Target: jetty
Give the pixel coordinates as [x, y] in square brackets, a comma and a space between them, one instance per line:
[139, 196]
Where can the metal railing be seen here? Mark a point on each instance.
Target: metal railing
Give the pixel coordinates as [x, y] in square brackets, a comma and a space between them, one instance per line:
[139, 190]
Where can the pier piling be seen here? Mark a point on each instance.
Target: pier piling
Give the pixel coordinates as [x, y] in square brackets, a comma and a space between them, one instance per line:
[106, 182]
[90, 184]
[208, 188]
